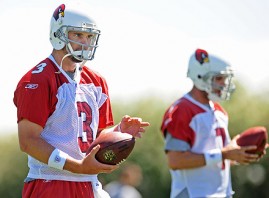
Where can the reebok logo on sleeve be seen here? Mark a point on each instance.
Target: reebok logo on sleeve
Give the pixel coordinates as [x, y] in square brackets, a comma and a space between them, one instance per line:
[31, 86]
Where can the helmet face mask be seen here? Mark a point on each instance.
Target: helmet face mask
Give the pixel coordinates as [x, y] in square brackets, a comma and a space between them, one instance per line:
[212, 75]
[220, 87]
[86, 51]
[64, 21]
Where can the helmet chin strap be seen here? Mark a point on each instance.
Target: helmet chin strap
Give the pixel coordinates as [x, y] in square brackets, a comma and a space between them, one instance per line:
[73, 53]
[80, 55]
[80, 64]
[61, 65]
[214, 97]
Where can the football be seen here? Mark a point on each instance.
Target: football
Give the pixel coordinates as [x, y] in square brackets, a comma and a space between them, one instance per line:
[254, 136]
[115, 147]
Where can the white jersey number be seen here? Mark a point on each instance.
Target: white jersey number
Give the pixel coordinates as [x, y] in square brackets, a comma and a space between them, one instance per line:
[40, 68]
[85, 112]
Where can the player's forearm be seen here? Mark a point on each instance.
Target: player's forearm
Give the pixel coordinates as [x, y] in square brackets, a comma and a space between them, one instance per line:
[185, 160]
[42, 151]
[31, 142]
[37, 148]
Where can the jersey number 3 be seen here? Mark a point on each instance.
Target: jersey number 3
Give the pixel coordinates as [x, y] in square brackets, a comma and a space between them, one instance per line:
[85, 113]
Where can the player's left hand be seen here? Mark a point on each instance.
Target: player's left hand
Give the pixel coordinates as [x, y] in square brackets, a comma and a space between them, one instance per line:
[133, 125]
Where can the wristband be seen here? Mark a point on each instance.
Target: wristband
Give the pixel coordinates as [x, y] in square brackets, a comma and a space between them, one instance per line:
[213, 156]
[57, 159]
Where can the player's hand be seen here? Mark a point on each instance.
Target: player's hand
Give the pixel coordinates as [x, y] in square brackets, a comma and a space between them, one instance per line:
[133, 125]
[89, 164]
[264, 151]
[239, 153]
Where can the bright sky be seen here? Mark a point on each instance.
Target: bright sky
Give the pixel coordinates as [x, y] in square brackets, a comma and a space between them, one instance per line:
[145, 44]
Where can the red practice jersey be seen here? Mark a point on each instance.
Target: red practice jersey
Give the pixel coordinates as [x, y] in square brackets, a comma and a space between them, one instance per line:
[201, 128]
[70, 111]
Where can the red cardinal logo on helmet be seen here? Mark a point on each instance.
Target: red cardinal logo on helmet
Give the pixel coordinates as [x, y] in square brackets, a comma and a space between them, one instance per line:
[201, 56]
[59, 12]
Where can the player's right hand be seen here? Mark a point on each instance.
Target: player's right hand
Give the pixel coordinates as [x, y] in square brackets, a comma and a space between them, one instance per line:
[239, 153]
[89, 164]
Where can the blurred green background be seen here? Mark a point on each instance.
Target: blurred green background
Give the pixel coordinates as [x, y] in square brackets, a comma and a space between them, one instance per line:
[245, 110]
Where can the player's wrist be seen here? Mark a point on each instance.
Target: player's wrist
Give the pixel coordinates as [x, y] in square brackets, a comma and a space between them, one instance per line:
[75, 165]
[119, 127]
[224, 154]
[57, 159]
[213, 156]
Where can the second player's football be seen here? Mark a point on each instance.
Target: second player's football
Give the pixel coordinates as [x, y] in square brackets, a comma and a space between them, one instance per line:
[254, 136]
[115, 147]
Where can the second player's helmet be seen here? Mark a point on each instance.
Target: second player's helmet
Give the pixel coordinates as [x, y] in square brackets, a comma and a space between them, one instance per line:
[202, 70]
[65, 19]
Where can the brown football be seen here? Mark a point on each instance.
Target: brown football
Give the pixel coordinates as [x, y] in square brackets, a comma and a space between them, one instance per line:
[254, 136]
[115, 147]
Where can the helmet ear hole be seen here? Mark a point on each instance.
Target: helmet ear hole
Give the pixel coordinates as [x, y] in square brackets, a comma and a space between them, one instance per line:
[199, 76]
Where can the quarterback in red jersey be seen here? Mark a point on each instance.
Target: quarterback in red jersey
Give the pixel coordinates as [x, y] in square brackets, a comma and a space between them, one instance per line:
[197, 142]
[62, 106]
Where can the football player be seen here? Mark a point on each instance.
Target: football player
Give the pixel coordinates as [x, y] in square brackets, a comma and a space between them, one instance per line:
[195, 127]
[62, 106]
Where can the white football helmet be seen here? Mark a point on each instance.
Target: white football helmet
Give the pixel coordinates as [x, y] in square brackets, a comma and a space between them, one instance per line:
[64, 20]
[204, 69]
